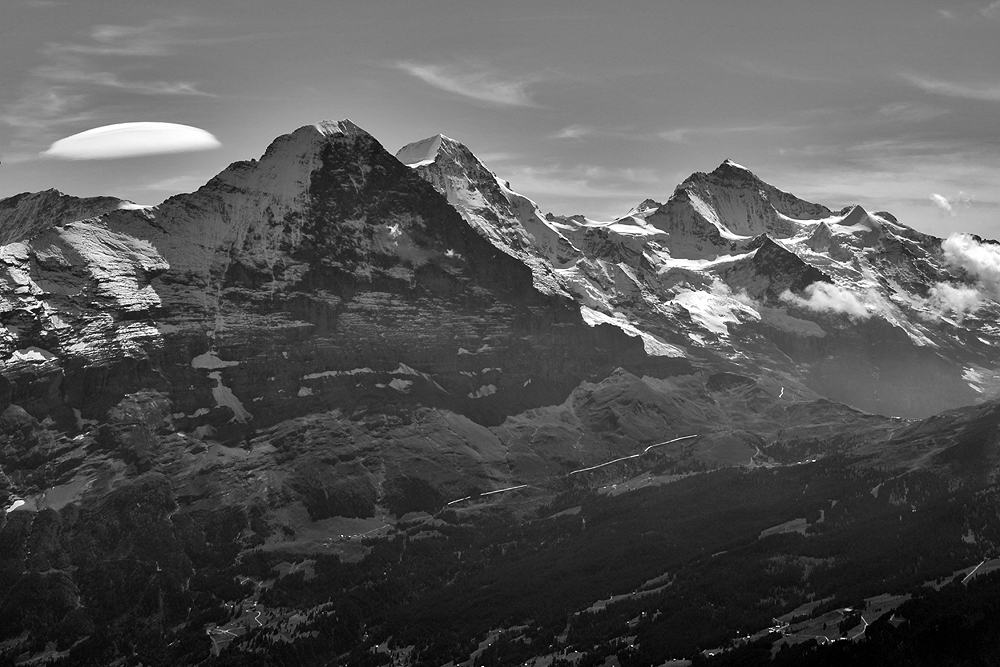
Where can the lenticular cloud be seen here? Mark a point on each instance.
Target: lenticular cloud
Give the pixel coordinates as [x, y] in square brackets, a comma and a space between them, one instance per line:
[130, 140]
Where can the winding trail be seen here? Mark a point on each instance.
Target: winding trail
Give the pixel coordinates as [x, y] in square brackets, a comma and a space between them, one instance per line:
[489, 493]
[634, 456]
[574, 472]
[969, 575]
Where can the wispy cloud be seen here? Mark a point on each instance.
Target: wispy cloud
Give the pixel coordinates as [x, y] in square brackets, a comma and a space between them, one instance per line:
[989, 92]
[155, 38]
[681, 135]
[187, 183]
[475, 81]
[499, 156]
[992, 10]
[74, 74]
[948, 205]
[775, 71]
[573, 132]
[587, 181]
[909, 112]
[942, 203]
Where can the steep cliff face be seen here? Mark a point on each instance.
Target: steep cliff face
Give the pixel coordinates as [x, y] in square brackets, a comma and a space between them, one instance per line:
[259, 296]
[510, 221]
[24, 215]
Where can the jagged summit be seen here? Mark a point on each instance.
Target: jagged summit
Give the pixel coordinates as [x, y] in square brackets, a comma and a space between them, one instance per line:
[24, 215]
[727, 171]
[511, 221]
[730, 167]
[858, 216]
[646, 207]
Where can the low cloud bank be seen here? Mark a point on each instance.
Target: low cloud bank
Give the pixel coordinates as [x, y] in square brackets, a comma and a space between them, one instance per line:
[827, 298]
[980, 260]
[959, 300]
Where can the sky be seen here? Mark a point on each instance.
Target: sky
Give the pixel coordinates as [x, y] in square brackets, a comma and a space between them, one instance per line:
[587, 107]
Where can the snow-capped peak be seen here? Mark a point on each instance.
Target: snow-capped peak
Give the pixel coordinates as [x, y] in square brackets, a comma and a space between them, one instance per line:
[730, 170]
[423, 152]
[729, 163]
[645, 208]
[346, 127]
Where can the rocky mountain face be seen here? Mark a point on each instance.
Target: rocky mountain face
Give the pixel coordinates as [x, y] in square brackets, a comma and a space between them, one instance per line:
[331, 343]
[734, 271]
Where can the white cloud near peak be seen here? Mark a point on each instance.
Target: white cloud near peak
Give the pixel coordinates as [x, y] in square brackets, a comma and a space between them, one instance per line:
[956, 299]
[980, 260]
[942, 203]
[827, 298]
[131, 140]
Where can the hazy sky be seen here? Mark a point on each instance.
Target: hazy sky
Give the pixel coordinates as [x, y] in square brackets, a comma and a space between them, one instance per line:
[585, 106]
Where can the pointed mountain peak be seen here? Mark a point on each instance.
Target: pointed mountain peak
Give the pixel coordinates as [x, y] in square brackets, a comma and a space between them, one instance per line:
[647, 207]
[727, 173]
[426, 151]
[304, 143]
[857, 216]
[729, 169]
[332, 127]
[421, 152]
[732, 165]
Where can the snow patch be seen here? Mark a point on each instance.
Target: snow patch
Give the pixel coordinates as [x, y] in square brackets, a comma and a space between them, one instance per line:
[31, 354]
[482, 392]
[224, 396]
[974, 379]
[654, 345]
[82, 423]
[715, 312]
[420, 153]
[402, 386]
[330, 374]
[303, 391]
[211, 361]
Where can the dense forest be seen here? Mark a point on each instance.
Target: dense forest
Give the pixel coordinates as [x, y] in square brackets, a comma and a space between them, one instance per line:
[683, 568]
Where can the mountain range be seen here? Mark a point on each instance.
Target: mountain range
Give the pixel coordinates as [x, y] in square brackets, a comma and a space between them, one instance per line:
[331, 351]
